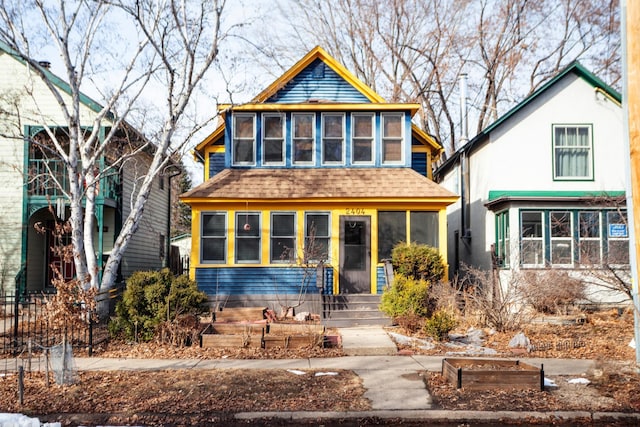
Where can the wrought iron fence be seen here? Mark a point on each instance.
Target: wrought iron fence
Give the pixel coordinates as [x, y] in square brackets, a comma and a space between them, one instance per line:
[24, 325]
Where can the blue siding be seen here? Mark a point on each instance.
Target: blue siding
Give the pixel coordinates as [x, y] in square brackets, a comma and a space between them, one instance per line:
[381, 280]
[317, 81]
[216, 163]
[257, 280]
[419, 163]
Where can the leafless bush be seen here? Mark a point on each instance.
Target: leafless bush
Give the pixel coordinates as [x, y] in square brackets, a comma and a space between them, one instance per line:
[552, 291]
[494, 304]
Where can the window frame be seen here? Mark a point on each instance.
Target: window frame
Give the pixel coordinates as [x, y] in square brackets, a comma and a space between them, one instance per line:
[384, 138]
[235, 139]
[624, 213]
[272, 236]
[326, 237]
[258, 237]
[223, 237]
[503, 239]
[266, 139]
[295, 138]
[586, 239]
[566, 236]
[589, 148]
[324, 139]
[540, 239]
[371, 138]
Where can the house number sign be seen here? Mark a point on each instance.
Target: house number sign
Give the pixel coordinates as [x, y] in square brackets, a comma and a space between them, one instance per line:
[355, 211]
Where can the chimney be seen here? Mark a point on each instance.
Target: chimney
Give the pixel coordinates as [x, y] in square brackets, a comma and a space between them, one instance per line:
[464, 126]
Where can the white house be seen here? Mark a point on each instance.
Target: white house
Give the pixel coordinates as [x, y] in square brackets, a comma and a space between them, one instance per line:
[30, 195]
[543, 186]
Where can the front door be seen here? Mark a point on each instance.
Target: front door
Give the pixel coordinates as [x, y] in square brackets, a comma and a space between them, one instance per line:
[355, 254]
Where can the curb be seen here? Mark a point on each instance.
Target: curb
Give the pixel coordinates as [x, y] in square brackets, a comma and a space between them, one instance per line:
[446, 416]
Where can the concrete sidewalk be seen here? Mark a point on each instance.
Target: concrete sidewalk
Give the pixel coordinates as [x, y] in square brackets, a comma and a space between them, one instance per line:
[394, 384]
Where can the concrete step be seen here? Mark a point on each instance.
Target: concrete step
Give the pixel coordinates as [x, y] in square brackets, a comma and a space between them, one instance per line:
[346, 310]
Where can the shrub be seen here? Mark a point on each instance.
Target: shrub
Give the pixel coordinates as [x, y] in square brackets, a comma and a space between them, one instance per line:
[152, 298]
[440, 324]
[552, 291]
[418, 261]
[406, 298]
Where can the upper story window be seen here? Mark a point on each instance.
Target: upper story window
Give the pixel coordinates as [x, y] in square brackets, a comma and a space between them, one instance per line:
[303, 138]
[572, 152]
[392, 137]
[273, 139]
[244, 139]
[362, 138]
[332, 138]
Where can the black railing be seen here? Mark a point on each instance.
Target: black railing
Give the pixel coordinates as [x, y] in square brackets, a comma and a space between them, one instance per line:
[24, 325]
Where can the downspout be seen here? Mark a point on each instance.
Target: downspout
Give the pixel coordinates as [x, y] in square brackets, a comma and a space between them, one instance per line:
[167, 252]
[465, 232]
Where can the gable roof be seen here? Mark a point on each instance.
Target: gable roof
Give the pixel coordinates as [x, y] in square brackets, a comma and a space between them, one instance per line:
[57, 81]
[477, 141]
[320, 184]
[318, 54]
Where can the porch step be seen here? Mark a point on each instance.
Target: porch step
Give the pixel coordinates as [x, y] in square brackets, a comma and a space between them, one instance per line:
[345, 310]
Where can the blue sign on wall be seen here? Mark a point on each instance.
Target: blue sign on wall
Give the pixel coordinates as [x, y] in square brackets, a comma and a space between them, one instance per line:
[618, 230]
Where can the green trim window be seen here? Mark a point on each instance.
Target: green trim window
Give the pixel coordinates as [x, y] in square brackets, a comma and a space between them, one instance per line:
[617, 238]
[503, 243]
[392, 137]
[244, 139]
[561, 238]
[532, 243]
[590, 238]
[303, 138]
[283, 237]
[317, 236]
[248, 237]
[213, 241]
[572, 152]
[273, 139]
[574, 238]
[332, 138]
[362, 138]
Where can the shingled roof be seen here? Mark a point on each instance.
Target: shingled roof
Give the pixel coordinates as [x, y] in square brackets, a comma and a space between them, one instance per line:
[301, 183]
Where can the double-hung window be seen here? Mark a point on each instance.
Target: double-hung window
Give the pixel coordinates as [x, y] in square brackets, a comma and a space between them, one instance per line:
[572, 152]
[392, 137]
[590, 238]
[283, 237]
[244, 139]
[317, 235]
[392, 228]
[273, 139]
[561, 238]
[303, 138]
[213, 243]
[503, 242]
[247, 237]
[332, 138]
[531, 235]
[617, 238]
[362, 138]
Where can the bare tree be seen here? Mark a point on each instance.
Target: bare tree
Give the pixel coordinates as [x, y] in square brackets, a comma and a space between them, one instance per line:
[415, 51]
[166, 47]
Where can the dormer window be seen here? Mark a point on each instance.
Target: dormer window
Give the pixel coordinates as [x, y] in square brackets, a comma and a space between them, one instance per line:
[244, 139]
[273, 139]
[303, 138]
[332, 138]
[392, 136]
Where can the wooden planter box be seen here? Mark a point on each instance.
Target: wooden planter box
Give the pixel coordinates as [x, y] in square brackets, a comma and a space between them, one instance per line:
[485, 374]
[231, 336]
[292, 341]
[294, 328]
[240, 314]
